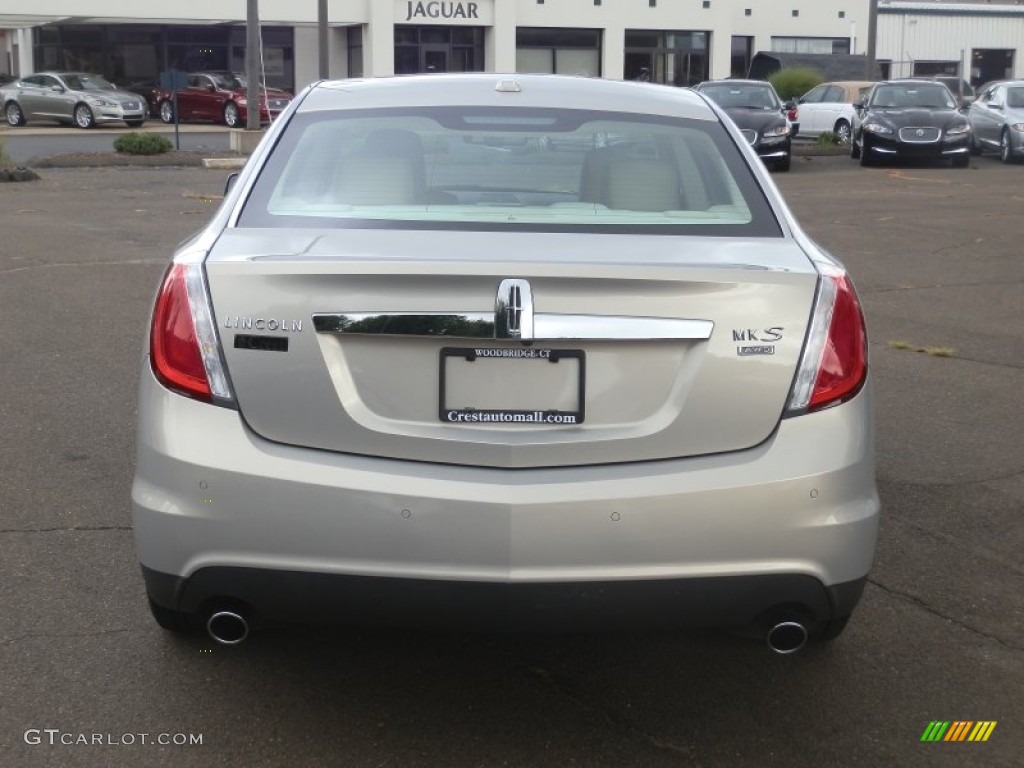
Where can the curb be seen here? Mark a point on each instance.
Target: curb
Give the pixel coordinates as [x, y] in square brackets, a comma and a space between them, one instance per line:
[225, 163]
[173, 159]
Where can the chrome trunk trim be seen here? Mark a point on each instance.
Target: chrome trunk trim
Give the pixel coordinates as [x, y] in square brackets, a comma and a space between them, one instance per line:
[481, 325]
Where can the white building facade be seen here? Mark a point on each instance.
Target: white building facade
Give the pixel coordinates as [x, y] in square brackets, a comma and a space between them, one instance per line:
[680, 42]
[979, 41]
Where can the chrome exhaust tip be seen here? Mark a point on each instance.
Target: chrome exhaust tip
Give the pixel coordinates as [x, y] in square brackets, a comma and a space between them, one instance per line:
[787, 637]
[227, 627]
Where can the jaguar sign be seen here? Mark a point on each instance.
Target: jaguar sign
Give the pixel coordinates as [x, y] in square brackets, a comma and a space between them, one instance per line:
[468, 12]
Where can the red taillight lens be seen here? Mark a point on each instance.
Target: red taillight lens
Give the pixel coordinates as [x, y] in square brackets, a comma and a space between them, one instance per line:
[843, 366]
[174, 346]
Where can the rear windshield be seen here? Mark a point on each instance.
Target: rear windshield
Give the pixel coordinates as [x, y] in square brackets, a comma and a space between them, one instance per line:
[532, 169]
[924, 96]
[732, 96]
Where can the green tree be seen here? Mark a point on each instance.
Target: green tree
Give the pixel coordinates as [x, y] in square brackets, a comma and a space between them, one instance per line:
[792, 83]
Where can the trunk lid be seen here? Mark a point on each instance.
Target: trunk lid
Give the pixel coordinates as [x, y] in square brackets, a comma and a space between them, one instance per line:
[680, 346]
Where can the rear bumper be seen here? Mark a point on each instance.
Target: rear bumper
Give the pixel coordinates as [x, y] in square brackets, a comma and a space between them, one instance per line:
[715, 601]
[219, 511]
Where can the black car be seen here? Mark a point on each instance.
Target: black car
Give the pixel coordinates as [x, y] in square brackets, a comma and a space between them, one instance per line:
[759, 114]
[960, 88]
[150, 91]
[904, 119]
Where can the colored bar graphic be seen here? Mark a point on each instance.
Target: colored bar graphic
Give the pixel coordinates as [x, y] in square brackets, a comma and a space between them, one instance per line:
[982, 731]
[935, 730]
[958, 730]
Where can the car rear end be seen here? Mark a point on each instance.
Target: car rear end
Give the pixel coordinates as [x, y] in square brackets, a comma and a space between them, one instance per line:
[416, 372]
[793, 116]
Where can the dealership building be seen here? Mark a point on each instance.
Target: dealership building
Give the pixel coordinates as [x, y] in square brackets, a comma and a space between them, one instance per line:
[672, 41]
[980, 41]
[679, 42]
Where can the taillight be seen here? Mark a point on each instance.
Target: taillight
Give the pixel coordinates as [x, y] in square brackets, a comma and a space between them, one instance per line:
[184, 350]
[834, 365]
[793, 113]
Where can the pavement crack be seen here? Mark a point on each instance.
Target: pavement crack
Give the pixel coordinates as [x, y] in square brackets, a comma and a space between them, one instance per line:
[55, 265]
[100, 633]
[954, 356]
[957, 483]
[958, 542]
[914, 600]
[563, 687]
[937, 286]
[69, 528]
[993, 364]
[954, 247]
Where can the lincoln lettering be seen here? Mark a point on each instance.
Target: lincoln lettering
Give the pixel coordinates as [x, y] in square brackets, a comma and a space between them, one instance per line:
[441, 10]
[263, 324]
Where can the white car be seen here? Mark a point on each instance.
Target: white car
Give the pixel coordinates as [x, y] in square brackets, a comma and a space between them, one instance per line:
[828, 108]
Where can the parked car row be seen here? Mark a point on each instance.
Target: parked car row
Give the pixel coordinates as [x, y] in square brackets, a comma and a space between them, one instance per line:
[909, 118]
[921, 117]
[86, 100]
[219, 96]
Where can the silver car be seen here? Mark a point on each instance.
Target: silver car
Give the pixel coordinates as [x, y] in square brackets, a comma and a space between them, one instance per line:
[416, 372]
[77, 98]
[997, 120]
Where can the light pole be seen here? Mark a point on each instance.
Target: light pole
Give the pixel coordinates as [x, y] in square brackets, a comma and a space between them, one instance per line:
[322, 24]
[252, 65]
[872, 62]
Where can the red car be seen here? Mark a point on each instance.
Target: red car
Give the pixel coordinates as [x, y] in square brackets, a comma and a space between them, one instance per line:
[221, 97]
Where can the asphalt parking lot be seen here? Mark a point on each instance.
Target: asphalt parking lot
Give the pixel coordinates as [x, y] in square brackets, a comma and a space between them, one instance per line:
[939, 635]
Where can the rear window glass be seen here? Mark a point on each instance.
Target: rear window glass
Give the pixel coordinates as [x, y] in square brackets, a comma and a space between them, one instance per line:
[729, 96]
[924, 96]
[535, 169]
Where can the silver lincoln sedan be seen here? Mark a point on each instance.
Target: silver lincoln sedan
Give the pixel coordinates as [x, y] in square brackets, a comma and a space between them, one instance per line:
[419, 369]
[77, 98]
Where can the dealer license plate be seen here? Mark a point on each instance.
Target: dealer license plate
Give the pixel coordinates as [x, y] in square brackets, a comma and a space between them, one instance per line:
[512, 385]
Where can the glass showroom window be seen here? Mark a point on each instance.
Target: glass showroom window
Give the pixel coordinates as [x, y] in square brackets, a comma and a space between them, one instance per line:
[559, 51]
